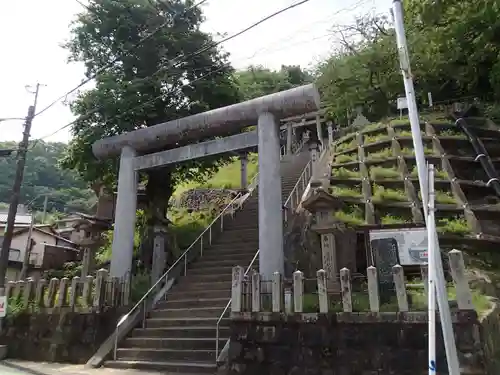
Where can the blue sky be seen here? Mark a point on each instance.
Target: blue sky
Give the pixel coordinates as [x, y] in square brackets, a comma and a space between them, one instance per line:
[33, 30]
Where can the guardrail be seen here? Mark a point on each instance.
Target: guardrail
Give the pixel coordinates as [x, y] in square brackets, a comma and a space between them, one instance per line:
[195, 249]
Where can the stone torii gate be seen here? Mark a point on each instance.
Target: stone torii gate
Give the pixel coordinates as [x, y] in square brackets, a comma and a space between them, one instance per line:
[137, 150]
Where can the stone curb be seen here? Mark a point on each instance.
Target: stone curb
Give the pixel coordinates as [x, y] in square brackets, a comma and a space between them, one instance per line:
[15, 366]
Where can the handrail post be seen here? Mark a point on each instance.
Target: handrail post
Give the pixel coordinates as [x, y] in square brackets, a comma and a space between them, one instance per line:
[210, 235]
[201, 246]
[144, 314]
[185, 264]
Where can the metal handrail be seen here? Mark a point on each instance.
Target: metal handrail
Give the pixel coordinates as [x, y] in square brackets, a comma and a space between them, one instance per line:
[227, 307]
[296, 186]
[304, 176]
[183, 256]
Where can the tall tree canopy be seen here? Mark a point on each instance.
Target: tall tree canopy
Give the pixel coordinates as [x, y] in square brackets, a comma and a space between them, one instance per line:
[152, 64]
[149, 70]
[454, 49]
[257, 81]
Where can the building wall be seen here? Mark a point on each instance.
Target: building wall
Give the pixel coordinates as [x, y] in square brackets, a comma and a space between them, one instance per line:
[19, 242]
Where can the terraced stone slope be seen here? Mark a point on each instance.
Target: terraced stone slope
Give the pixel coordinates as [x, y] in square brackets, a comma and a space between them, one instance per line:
[373, 171]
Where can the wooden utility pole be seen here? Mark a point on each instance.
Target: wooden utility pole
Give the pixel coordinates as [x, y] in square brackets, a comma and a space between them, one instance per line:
[16, 189]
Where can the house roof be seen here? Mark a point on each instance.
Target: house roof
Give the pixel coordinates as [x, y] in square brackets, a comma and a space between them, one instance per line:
[20, 218]
[37, 229]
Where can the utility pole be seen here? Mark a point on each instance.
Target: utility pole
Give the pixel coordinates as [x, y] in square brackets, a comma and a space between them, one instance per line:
[16, 189]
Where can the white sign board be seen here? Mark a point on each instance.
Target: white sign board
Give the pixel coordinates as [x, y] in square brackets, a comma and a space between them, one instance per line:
[3, 307]
[411, 243]
[402, 103]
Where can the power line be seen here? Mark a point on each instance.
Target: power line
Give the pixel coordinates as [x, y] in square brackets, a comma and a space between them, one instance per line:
[112, 62]
[201, 50]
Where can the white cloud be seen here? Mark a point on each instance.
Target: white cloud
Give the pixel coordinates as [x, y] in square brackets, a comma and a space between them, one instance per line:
[33, 31]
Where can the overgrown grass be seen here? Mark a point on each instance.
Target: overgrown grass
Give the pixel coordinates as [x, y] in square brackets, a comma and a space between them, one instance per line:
[438, 173]
[392, 219]
[380, 155]
[406, 133]
[380, 173]
[188, 226]
[345, 173]
[453, 225]
[445, 197]
[407, 151]
[373, 126]
[227, 177]
[342, 191]
[382, 194]
[455, 133]
[368, 139]
[351, 215]
[345, 158]
[341, 146]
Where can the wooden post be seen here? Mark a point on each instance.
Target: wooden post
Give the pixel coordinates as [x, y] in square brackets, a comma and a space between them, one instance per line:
[399, 283]
[255, 291]
[457, 266]
[277, 292]
[51, 293]
[87, 291]
[237, 289]
[322, 293]
[298, 291]
[63, 292]
[345, 284]
[100, 288]
[373, 296]
[75, 289]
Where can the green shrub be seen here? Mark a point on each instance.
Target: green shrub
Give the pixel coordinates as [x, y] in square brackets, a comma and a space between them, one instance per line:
[340, 191]
[345, 173]
[380, 173]
[381, 194]
[380, 155]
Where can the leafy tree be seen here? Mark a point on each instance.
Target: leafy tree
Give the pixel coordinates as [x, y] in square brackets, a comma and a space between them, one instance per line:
[142, 87]
[66, 191]
[257, 81]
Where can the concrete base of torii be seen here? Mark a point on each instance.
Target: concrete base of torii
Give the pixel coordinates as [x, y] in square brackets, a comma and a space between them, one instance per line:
[266, 111]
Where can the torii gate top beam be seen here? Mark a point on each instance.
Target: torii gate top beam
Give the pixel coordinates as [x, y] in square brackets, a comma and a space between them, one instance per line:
[217, 122]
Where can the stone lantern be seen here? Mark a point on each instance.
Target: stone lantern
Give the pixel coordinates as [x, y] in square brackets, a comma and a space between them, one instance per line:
[338, 243]
[88, 236]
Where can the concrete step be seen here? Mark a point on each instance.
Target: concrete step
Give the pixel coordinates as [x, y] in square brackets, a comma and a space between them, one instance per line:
[138, 354]
[230, 251]
[181, 343]
[223, 262]
[176, 295]
[192, 312]
[232, 256]
[209, 278]
[169, 367]
[184, 322]
[194, 302]
[181, 331]
[210, 270]
[185, 285]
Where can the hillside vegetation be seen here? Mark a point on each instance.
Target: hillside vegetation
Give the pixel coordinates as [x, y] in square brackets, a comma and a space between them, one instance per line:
[66, 191]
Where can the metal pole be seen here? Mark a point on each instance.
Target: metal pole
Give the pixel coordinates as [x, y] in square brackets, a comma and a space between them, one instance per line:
[442, 296]
[16, 190]
[431, 275]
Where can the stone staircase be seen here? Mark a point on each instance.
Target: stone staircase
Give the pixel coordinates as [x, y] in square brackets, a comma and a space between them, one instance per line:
[179, 334]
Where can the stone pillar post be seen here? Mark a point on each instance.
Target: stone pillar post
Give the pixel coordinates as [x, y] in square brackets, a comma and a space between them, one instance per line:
[314, 150]
[330, 132]
[319, 130]
[87, 261]
[289, 138]
[244, 170]
[159, 256]
[271, 258]
[125, 215]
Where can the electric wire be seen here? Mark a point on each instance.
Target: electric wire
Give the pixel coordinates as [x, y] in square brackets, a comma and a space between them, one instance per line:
[111, 63]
